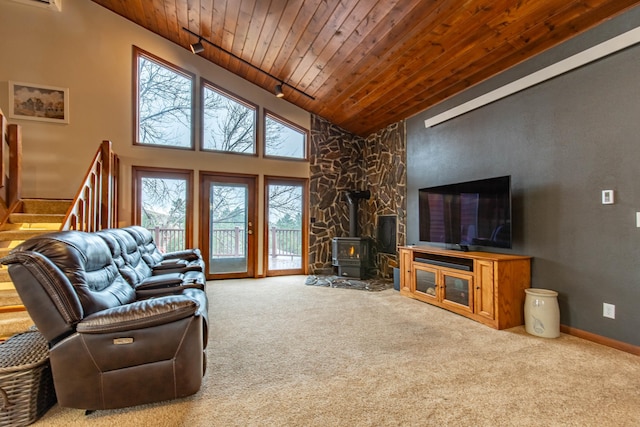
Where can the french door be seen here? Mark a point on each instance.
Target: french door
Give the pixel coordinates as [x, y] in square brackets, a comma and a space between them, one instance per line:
[227, 224]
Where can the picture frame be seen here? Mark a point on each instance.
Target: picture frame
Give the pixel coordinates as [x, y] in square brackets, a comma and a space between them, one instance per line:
[32, 101]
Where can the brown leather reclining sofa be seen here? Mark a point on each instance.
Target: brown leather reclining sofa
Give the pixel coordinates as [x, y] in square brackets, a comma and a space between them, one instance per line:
[121, 331]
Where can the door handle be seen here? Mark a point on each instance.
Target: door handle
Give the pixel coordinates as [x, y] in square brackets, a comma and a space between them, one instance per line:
[249, 231]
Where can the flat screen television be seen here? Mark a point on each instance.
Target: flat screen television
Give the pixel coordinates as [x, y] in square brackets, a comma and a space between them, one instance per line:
[473, 213]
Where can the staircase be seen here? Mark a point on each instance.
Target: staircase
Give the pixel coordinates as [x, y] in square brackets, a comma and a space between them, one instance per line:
[93, 208]
[31, 217]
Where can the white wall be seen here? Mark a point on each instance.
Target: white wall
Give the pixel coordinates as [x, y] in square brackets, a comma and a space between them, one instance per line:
[88, 49]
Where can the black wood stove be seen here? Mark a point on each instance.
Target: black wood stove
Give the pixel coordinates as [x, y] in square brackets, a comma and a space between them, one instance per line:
[352, 255]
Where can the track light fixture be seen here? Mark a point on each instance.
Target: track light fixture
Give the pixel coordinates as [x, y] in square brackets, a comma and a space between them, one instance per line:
[278, 91]
[198, 48]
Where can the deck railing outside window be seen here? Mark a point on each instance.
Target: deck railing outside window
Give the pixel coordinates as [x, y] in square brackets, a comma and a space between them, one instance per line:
[231, 242]
[168, 239]
[284, 242]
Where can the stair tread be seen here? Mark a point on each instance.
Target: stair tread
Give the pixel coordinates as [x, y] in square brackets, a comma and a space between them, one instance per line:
[46, 206]
[6, 235]
[25, 217]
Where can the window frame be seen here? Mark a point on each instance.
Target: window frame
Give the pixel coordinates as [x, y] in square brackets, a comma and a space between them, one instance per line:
[138, 53]
[207, 84]
[288, 123]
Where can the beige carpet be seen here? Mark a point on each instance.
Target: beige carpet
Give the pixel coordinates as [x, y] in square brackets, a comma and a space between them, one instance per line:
[285, 354]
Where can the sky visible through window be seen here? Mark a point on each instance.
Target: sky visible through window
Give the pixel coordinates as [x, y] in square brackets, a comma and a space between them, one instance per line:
[283, 141]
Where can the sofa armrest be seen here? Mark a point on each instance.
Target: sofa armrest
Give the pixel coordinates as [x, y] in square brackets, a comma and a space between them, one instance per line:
[187, 255]
[139, 314]
[167, 280]
[142, 294]
[170, 263]
[167, 284]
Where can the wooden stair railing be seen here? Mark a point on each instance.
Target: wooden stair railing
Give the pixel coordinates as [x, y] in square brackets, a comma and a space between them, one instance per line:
[95, 206]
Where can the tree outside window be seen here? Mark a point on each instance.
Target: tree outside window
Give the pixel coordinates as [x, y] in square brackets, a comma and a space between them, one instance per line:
[229, 124]
[285, 225]
[164, 103]
[164, 211]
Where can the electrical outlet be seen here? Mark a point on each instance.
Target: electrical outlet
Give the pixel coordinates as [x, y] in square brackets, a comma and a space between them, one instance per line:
[608, 310]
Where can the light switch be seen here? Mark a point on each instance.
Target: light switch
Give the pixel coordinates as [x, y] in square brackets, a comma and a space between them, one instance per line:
[607, 197]
[638, 219]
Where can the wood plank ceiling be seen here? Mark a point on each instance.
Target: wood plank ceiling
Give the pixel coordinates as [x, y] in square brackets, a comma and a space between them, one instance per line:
[369, 63]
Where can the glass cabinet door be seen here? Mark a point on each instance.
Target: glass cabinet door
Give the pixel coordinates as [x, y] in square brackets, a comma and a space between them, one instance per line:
[458, 290]
[427, 282]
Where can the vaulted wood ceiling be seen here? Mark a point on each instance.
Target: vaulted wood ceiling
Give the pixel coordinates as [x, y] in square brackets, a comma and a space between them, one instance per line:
[369, 63]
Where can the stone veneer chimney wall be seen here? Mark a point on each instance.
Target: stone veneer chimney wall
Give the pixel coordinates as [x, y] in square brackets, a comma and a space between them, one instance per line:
[341, 161]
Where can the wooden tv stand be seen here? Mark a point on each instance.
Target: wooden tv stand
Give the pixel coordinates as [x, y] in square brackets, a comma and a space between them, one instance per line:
[486, 287]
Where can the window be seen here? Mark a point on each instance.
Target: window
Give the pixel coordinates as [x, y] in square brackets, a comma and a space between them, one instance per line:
[163, 103]
[286, 234]
[162, 204]
[228, 123]
[283, 139]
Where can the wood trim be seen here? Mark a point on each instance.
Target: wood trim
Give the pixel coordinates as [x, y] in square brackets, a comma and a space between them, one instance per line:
[12, 309]
[599, 339]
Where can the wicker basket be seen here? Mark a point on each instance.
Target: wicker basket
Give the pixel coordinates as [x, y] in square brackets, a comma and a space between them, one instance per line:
[26, 385]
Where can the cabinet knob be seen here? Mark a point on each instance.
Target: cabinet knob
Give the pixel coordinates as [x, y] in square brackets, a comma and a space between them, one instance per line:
[477, 287]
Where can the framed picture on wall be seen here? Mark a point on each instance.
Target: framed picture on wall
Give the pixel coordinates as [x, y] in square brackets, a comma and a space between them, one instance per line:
[29, 101]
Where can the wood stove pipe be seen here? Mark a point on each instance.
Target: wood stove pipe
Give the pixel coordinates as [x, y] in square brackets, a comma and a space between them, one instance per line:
[352, 199]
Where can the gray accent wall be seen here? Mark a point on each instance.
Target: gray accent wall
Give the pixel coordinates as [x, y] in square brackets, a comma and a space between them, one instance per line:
[563, 142]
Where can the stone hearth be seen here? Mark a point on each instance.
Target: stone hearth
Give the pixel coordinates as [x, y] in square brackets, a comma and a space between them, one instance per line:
[372, 285]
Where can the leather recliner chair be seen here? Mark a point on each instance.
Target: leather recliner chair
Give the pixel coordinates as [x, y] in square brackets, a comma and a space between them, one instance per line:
[108, 348]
